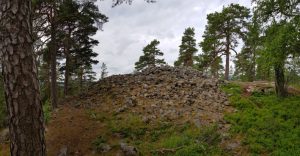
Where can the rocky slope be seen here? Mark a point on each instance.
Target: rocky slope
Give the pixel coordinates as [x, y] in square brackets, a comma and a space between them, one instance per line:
[169, 93]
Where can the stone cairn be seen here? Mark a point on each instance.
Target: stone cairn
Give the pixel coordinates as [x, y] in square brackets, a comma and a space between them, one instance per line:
[164, 92]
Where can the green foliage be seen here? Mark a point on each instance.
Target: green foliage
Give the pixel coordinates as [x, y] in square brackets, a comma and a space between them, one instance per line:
[151, 138]
[97, 116]
[269, 124]
[282, 36]
[192, 141]
[159, 130]
[221, 35]
[246, 60]
[149, 59]
[99, 142]
[281, 41]
[187, 49]
[270, 9]
[47, 109]
[75, 24]
[133, 128]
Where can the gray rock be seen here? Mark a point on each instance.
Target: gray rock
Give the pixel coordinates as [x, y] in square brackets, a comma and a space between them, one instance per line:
[156, 91]
[121, 109]
[105, 148]
[146, 119]
[63, 151]
[4, 135]
[197, 123]
[128, 150]
[232, 146]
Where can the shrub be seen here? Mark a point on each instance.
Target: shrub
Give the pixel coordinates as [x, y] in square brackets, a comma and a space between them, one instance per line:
[269, 124]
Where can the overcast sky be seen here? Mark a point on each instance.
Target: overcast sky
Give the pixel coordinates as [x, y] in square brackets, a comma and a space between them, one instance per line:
[132, 27]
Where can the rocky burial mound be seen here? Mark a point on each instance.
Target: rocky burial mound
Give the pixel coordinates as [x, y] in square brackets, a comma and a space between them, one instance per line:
[168, 93]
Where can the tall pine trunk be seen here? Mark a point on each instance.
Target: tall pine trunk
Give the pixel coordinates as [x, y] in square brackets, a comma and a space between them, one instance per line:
[20, 79]
[227, 54]
[67, 72]
[53, 53]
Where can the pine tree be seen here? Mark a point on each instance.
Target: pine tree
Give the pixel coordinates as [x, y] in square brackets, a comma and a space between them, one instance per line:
[80, 21]
[187, 49]
[210, 58]
[103, 70]
[246, 60]
[26, 122]
[149, 59]
[226, 27]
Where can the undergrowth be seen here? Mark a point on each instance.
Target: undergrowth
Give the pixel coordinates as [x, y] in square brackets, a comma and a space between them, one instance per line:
[270, 125]
[163, 138]
[47, 111]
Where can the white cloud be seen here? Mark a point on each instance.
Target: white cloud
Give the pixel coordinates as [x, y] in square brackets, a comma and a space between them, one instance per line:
[131, 27]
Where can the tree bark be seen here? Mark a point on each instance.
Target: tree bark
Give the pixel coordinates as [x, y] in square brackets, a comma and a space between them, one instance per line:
[280, 81]
[53, 71]
[67, 71]
[227, 63]
[81, 79]
[53, 53]
[67, 45]
[22, 93]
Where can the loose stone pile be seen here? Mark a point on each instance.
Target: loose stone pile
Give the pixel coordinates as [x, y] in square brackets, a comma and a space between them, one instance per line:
[166, 92]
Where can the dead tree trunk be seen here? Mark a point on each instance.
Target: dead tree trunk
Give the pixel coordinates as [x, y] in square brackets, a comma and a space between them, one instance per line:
[20, 79]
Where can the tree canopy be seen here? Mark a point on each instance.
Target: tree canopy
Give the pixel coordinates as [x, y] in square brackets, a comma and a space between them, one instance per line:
[187, 49]
[150, 56]
[223, 31]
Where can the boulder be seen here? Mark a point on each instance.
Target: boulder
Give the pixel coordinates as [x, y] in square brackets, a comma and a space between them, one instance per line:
[4, 135]
[128, 150]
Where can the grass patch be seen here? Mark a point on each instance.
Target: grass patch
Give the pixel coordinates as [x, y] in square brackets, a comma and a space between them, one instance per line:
[97, 116]
[269, 124]
[152, 138]
[190, 142]
[131, 126]
[47, 109]
[99, 143]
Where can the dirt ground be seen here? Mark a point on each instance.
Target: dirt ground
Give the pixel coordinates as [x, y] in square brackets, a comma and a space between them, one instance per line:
[71, 128]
